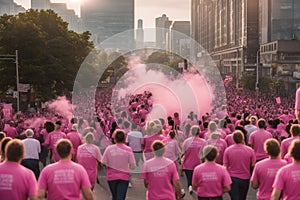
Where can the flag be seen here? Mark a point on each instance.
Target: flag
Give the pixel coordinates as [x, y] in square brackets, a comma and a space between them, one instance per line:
[7, 110]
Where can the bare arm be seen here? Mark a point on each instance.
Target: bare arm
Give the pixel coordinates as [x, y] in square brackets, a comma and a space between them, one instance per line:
[32, 197]
[276, 194]
[145, 183]
[226, 188]
[41, 194]
[87, 193]
[194, 186]
[177, 187]
[254, 184]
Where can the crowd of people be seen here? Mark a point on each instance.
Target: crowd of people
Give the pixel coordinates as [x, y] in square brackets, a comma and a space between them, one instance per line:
[249, 141]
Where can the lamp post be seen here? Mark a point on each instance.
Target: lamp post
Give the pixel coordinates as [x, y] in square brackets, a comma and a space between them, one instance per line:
[14, 58]
[257, 77]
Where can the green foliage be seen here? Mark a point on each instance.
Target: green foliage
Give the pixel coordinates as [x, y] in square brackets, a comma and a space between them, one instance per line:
[250, 81]
[49, 54]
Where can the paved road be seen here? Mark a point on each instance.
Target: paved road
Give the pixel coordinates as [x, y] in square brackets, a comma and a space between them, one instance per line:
[138, 191]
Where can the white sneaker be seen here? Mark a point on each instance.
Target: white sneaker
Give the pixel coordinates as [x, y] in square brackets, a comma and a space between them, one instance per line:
[130, 185]
[190, 189]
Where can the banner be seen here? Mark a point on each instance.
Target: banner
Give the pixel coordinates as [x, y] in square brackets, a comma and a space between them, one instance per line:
[278, 100]
[23, 87]
[7, 110]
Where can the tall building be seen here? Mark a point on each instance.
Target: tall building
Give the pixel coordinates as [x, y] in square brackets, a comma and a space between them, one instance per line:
[180, 37]
[40, 4]
[140, 34]
[106, 18]
[280, 40]
[162, 25]
[10, 8]
[61, 9]
[228, 30]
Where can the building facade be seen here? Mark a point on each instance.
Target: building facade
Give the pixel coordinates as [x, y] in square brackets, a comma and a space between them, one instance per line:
[61, 9]
[162, 25]
[180, 37]
[106, 18]
[140, 34]
[228, 31]
[10, 8]
[280, 40]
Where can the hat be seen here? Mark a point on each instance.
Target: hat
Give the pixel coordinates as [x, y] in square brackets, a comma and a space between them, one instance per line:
[154, 126]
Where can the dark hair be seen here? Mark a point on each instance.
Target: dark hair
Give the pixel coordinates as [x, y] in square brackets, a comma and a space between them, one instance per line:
[158, 148]
[49, 126]
[261, 123]
[58, 123]
[294, 150]
[119, 136]
[74, 120]
[172, 134]
[295, 130]
[272, 147]
[14, 150]
[63, 148]
[2, 135]
[210, 152]
[4, 143]
[238, 136]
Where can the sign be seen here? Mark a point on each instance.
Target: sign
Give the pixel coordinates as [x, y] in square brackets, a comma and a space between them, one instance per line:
[23, 87]
[278, 100]
[296, 75]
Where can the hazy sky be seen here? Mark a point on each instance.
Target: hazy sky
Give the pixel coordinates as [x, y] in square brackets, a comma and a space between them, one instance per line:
[147, 10]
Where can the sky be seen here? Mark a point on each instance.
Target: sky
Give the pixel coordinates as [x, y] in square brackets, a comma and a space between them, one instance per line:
[147, 10]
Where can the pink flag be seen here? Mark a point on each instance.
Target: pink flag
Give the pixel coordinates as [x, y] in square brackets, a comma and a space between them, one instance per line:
[278, 100]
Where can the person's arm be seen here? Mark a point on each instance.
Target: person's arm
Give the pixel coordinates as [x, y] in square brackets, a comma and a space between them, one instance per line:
[41, 194]
[177, 188]
[145, 183]
[226, 188]
[194, 186]
[254, 184]
[33, 197]
[87, 193]
[132, 166]
[276, 194]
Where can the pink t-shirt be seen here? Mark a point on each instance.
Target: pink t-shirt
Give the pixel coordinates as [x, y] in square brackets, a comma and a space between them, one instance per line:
[285, 144]
[257, 140]
[51, 140]
[64, 180]
[117, 158]
[192, 148]
[88, 155]
[10, 131]
[221, 145]
[297, 101]
[239, 166]
[172, 149]
[16, 181]
[75, 139]
[159, 172]
[264, 173]
[288, 180]
[210, 178]
[229, 140]
[147, 142]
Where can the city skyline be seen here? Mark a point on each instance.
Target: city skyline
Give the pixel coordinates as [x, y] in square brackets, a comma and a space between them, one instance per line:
[176, 10]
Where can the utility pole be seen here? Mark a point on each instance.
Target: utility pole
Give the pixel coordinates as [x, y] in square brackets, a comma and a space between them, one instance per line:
[257, 77]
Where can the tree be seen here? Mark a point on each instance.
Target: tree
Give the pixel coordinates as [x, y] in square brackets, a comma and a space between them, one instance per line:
[49, 54]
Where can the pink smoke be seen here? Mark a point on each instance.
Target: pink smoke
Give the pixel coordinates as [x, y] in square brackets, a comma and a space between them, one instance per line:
[61, 106]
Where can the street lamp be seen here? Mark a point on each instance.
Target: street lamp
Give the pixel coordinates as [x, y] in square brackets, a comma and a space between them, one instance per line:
[257, 77]
[14, 58]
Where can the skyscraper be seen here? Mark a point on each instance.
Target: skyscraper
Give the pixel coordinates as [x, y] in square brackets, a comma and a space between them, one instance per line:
[162, 25]
[40, 4]
[228, 30]
[140, 34]
[180, 37]
[106, 18]
[10, 8]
